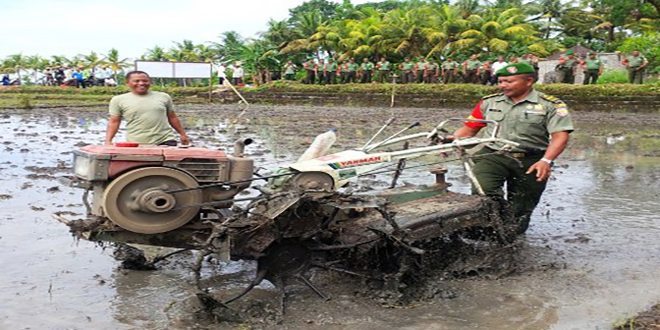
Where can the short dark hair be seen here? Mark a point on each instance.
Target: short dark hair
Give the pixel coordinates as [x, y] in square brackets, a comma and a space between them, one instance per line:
[130, 73]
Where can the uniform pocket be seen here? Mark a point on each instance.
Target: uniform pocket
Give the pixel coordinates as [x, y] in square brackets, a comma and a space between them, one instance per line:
[495, 114]
[532, 117]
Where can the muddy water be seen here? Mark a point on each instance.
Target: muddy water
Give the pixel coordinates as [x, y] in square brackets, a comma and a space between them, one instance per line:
[591, 255]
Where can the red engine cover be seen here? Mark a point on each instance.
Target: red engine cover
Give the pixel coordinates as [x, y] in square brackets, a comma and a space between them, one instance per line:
[165, 152]
[121, 159]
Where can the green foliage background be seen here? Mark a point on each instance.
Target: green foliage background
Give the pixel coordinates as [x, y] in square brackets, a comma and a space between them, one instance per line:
[432, 29]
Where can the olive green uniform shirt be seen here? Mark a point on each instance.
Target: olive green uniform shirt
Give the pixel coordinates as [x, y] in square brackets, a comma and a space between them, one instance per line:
[367, 66]
[473, 65]
[635, 61]
[569, 64]
[407, 66]
[528, 122]
[145, 115]
[450, 65]
[594, 64]
[384, 66]
[352, 67]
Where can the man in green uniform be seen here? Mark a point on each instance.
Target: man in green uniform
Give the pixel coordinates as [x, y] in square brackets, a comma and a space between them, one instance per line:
[635, 63]
[407, 74]
[331, 72]
[320, 72]
[290, 71]
[567, 67]
[352, 68]
[342, 71]
[593, 67]
[420, 70]
[150, 115]
[471, 69]
[310, 69]
[383, 67]
[484, 72]
[431, 75]
[366, 70]
[540, 123]
[449, 70]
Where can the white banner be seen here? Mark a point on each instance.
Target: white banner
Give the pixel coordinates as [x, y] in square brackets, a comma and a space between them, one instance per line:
[174, 69]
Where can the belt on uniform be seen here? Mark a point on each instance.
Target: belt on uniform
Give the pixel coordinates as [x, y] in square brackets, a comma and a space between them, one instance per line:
[520, 154]
[524, 154]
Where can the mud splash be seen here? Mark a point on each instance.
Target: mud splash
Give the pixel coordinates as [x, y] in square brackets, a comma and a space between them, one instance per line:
[589, 258]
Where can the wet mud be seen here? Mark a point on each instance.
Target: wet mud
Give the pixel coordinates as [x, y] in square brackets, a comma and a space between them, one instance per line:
[590, 257]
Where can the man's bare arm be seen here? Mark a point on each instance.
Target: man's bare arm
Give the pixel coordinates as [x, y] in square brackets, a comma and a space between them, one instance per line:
[111, 130]
[178, 127]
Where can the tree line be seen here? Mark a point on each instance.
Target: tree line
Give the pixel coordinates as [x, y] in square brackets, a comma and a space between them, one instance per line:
[433, 29]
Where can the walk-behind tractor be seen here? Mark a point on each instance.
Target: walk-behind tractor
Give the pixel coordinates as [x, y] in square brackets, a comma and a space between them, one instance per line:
[304, 215]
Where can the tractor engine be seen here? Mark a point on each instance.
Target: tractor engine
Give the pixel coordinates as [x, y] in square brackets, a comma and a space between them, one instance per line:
[151, 189]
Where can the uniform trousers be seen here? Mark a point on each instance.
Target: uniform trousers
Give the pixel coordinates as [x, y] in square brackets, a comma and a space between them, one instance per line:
[523, 192]
[635, 76]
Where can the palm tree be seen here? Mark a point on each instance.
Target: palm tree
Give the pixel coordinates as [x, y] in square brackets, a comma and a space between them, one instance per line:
[185, 51]
[15, 63]
[403, 31]
[497, 31]
[278, 33]
[228, 47]
[116, 63]
[447, 23]
[58, 60]
[92, 60]
[155, 54]
[364, 37]
[548, 10]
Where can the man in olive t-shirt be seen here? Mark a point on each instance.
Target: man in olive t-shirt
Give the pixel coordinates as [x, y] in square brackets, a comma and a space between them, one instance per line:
[150, 115]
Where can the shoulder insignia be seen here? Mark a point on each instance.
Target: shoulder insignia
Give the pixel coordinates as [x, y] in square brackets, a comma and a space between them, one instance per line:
[552, 99]
[491, 95]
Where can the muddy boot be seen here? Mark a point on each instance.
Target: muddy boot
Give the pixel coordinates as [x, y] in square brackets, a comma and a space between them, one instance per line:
[507, 226]
[523, 223]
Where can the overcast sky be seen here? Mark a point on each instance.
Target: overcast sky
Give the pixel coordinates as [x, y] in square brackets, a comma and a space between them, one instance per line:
[71, 27]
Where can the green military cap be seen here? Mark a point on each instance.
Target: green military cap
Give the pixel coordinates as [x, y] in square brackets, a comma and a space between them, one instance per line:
[515, 69]
[569, 52]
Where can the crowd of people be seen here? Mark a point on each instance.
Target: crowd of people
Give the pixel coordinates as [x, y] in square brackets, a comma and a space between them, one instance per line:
[473, 70]
[70, 76]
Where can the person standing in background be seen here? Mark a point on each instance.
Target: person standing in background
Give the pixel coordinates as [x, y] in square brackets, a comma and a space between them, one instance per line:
[449, 71]
[220, 72]
[237, 74]
[593, 68]
[635, 63]
[383, 67]
[471, 69]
